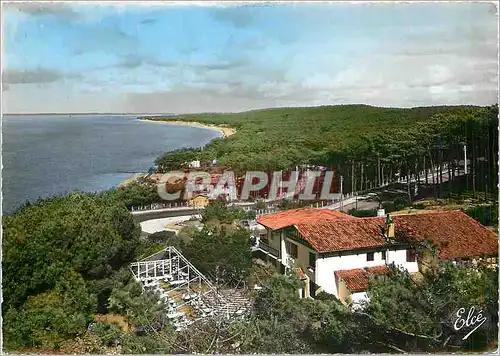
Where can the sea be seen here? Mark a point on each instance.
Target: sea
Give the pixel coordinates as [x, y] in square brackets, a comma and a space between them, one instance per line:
[46, 155]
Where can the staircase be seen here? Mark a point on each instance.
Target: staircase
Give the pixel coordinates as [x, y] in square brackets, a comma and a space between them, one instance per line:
[188, 295]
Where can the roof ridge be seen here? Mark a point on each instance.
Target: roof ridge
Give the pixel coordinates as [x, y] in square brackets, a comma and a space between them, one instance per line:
[349, 270]
[363, 269]
[355, 219]
[429, 212]
[371, 217]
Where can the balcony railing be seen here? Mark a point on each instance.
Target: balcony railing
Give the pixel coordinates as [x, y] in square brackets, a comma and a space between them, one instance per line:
[268, 249]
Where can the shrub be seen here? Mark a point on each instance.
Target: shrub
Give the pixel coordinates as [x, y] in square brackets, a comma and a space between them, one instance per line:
[360, 213]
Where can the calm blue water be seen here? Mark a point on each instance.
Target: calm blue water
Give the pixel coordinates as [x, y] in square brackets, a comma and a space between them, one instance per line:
[46, 155]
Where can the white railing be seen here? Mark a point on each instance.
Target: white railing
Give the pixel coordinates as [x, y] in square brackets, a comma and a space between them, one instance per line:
[158, 206]
[173, 274]
[268, 249]
[260, 212]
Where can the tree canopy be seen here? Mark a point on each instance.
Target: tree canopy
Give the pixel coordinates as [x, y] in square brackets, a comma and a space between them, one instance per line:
[65, 258]
[56, 255]
[367, 145]
[65, 274]
[221, 253]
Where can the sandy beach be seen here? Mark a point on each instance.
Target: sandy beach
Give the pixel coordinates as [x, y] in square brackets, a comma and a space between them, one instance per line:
[225, 131]
[131, 180]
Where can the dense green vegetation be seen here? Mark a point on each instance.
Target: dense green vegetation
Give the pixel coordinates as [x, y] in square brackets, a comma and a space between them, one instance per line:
[396, 205]
[65, 259]
[365, 144]
[60, 257]
[134, 195]
[363, 213]
[486, 214]
[221, 254]
[219, 211]
[221, 250]
[65, 273]
[420, 315]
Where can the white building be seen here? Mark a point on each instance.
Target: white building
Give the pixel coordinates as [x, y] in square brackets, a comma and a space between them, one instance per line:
[338, 253]
[195, 164]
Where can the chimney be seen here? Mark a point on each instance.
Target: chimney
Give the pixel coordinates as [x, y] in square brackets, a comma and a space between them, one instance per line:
[381, 213]
[389, 227]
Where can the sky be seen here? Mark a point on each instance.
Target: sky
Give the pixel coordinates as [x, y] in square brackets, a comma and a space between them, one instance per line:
[186, 58]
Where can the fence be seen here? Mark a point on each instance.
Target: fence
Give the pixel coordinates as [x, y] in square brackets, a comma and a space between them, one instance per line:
[157, 206]
[260, 212]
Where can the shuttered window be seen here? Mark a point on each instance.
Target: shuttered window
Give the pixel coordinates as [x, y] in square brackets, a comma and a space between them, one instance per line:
[410, 255]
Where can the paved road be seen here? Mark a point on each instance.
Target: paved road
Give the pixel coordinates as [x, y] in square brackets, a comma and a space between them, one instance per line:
[350, 203]
[156, 225]
[362, 205]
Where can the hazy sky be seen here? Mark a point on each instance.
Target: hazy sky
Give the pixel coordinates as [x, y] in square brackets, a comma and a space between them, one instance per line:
[187, 58]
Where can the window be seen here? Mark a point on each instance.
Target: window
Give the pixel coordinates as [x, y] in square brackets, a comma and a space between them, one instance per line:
[293, 250]
[384, 255]
[312, 260]
[370, 256]
[410, 255]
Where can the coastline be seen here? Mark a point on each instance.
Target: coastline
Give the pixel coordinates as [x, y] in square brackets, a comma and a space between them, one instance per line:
[225, 131]
[131, 180]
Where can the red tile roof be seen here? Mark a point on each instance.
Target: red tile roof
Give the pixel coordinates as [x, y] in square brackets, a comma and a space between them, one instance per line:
[356, 280]
[343, 234]
[291, 217]
[456, 234]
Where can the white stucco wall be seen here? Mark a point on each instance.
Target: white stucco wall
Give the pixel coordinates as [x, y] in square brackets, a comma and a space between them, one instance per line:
[324, 272]
[357, 298]
[399, 259]
[284, 254]
[326, 267]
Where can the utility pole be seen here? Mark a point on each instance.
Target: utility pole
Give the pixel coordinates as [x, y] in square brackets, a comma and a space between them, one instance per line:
[378, 173]
[341, 192]
[280, 185]
[352, 177]
[408, 181]
[465, 167]
[465, 159]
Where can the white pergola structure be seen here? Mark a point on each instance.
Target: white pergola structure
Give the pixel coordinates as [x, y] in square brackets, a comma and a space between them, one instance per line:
[188, 294]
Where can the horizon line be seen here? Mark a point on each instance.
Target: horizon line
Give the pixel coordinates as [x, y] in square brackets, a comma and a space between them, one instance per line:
[235, 112]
